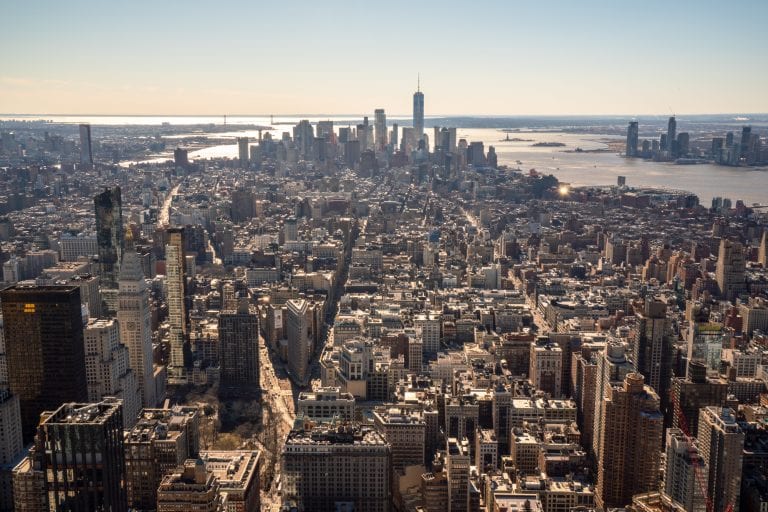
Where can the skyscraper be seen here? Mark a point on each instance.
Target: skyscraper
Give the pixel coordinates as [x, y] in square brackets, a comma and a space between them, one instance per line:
[721, 445]
[612, 368]
[731, 269]
[81, 447]
[175, 259]
[380, 128]
[632, 133]
[109, 234]
[395, 135]
[86, 152]
[299, 342]
[303, 136]
[680, 481]
[44, 349]
[418, 114]
[671, 133]
[653, 347]
[629, 439]
[746, 135]
[134, 317]
[239, 350]
[693, 393]
[762, 253]
[242, 151]
[107, 370]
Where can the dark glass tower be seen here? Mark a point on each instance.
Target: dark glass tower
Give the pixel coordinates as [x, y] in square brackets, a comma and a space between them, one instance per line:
[671, 132]
[109, 234]
[44, 349]
[239, 349]
[81, 450]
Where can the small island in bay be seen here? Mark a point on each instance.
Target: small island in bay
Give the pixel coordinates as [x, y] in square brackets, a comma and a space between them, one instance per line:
[548, 144]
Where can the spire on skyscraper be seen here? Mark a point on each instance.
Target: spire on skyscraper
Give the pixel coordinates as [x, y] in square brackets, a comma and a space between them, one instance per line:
[131, 268]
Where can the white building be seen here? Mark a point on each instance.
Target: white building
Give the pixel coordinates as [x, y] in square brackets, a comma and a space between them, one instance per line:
[134, 316]
[107, 371]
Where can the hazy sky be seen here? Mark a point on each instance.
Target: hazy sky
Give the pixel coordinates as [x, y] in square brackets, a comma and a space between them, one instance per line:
[337, 57]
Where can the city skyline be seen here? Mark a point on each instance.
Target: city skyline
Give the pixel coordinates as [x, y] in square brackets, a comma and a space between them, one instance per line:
[174, 59]
[528, 272]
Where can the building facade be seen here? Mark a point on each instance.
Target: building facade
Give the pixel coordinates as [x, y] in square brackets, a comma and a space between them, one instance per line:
[326, 468]
[43, 331]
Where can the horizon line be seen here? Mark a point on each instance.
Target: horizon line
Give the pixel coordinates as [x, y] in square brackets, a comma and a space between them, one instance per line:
[434, 116]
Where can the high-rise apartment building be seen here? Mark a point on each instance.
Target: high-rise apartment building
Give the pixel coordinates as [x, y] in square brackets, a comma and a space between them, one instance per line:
[653, 347]
[329, 468]
[612, 368]
[721, 445]
[762, 252]
[584, 375]
[175, 260]
[731, 269]
[107, 372]
[681, 483]
[82, 457]
[239, 350]
[43, 331]
[134, 317]
[418, 115]
[630, 438]
[298, 333]
[86, 150]
[109, 234]
[632, 134]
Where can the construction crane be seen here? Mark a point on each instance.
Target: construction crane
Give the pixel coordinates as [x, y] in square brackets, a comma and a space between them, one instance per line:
[693, 453]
